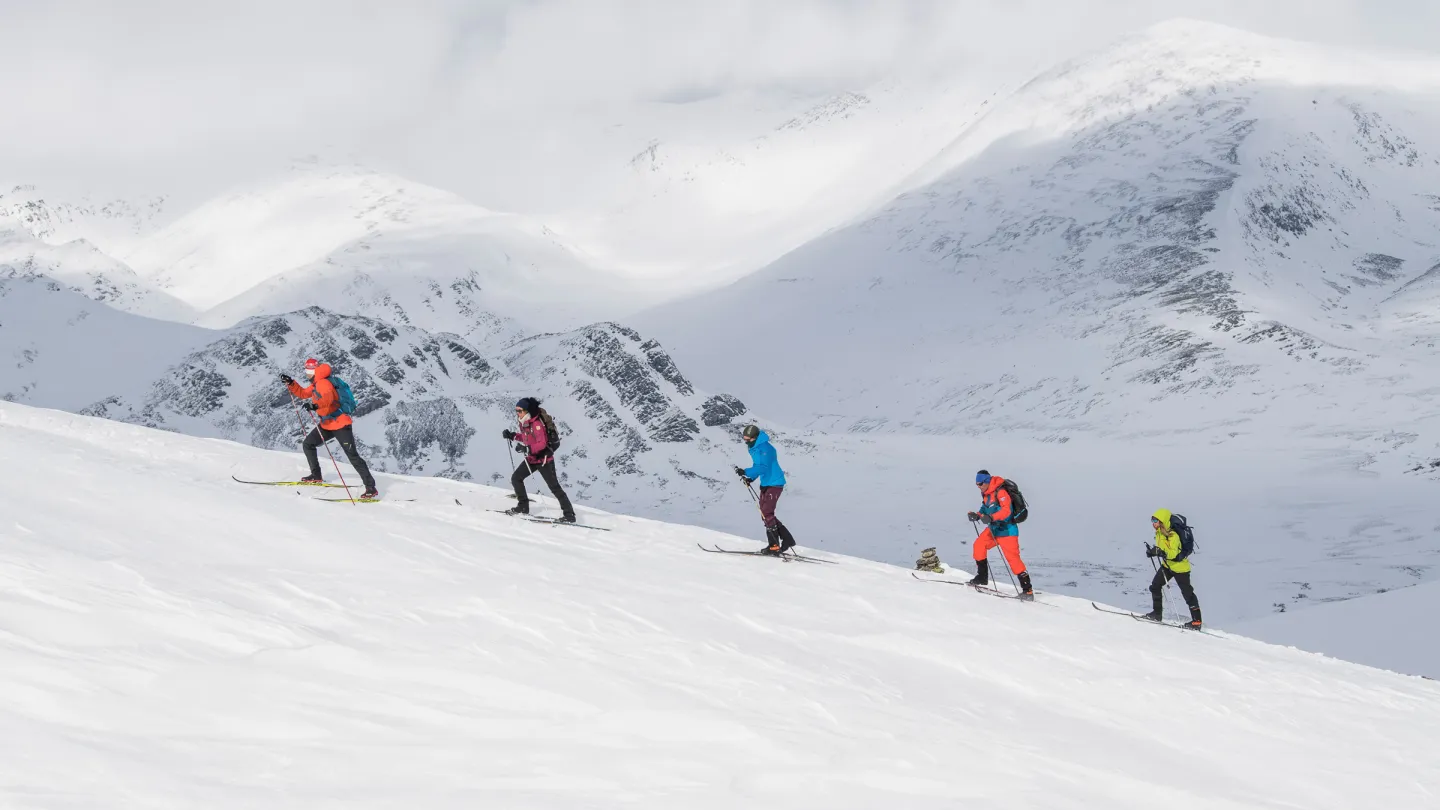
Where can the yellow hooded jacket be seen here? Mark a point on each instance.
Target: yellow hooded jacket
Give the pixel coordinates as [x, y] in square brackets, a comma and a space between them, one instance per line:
[1169, 542]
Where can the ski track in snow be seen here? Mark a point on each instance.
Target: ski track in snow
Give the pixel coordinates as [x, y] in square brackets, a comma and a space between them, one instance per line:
[169, 638]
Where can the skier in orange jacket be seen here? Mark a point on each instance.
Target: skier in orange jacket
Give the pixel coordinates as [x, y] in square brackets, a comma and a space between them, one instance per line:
[320, 397]
[998, 514]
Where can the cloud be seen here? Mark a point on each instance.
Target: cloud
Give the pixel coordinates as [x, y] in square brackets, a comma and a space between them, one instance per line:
[200, 93]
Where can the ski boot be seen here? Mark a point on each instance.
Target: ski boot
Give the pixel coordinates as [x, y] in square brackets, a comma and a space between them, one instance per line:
[1153, 616]
[772, 549]
[1026, 592]
[312, 479]
[982, 574]
[786, 541]
[565, 519]
[519, 509]
[370, 494]
[1194, 623]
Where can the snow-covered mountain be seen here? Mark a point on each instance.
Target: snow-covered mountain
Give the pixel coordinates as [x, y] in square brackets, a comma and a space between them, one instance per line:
[1195, 229]
[184, 636]
[112, 224]
[722, 185]
[362, 242]
[633, 424]
[85, 269]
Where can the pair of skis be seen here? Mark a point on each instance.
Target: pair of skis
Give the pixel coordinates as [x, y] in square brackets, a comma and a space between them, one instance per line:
[788, 556]
[1139, 618]
[550, 521]
[320, 484]
[985, 589]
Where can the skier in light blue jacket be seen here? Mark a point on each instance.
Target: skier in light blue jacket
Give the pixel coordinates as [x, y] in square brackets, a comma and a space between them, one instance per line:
[765, 468]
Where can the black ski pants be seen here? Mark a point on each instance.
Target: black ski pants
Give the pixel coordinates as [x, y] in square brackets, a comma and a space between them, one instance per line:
[551, 475]
[1162, 577]
[346, 437]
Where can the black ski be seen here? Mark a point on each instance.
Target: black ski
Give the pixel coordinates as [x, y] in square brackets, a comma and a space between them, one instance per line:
[286, 483]
[366, 500]
[1140, 618]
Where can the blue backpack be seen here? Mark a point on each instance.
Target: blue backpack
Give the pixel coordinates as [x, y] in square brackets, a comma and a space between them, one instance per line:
[347, 399]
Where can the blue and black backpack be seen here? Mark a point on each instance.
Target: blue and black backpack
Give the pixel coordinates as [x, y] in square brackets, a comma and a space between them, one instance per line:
[1181, 526]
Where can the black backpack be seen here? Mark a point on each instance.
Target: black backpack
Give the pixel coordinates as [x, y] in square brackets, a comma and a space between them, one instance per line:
[552, 433]
[1019, 510]
[1181, 526]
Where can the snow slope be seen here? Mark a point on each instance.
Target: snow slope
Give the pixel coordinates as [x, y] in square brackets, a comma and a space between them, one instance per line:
[1196, 228]
[367, 243]
[182, 640]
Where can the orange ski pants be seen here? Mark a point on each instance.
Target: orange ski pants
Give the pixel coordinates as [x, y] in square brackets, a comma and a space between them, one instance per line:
[1009, 546]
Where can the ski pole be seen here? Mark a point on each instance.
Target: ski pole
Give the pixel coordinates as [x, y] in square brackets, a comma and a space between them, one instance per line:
[511, 448]
[1003, 559]
[295, 401]
[1164, 589]
[328, 452]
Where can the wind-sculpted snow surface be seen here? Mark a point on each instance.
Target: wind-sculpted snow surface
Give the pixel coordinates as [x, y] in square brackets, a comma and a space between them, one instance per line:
[184, 641]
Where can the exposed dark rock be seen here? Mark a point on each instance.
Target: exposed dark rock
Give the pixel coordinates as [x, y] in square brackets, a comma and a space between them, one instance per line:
[721, 409]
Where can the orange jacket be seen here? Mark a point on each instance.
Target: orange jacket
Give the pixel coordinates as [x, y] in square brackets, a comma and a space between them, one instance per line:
[322, 393]
[995, 502]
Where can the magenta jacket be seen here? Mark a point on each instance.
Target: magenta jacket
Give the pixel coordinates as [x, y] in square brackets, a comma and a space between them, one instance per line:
[532, 435]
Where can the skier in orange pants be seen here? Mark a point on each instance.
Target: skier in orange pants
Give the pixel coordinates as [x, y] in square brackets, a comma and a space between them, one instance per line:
[997, 512]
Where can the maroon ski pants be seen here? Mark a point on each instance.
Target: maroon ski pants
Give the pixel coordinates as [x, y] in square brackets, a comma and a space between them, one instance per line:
[769, 496]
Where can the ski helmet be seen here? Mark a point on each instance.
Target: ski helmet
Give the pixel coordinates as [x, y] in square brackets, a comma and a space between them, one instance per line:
[982, 477]
[310, 365]
[750, 433]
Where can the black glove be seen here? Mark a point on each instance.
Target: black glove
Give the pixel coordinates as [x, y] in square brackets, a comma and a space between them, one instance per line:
[972, 516]
[287, 379]
[507, 435]
[740, 471]
[311, 406]
[522, 449]
[986, 519]
[1154, 551]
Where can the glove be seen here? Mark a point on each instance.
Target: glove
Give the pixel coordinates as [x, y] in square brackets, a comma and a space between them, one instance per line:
[311, 406]
[972, 516]
[986, 519]
[1154, 551]
[507, 435]
[287, 379]
[522, 449]
[740, 471]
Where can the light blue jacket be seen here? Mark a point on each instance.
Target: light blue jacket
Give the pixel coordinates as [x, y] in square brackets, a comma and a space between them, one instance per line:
[765, 467]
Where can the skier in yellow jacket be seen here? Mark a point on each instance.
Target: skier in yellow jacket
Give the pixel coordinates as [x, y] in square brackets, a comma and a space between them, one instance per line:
[1174, 564]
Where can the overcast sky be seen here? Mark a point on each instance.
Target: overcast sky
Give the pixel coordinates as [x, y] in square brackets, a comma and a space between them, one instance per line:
[179, 94]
